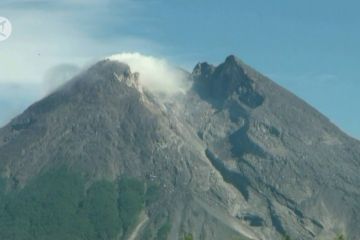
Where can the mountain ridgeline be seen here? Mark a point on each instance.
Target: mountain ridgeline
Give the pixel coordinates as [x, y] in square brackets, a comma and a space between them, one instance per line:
[235, 157]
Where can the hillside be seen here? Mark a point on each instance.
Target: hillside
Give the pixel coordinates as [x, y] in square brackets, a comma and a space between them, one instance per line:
[235, 157]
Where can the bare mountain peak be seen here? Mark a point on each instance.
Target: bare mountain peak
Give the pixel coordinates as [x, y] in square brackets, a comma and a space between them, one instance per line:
[203, 68]
[105, 70]
[227, 80]
[105, 77]
[206, 68]
[232, 59]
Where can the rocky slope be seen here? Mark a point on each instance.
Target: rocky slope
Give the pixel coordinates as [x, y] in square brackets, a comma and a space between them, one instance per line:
[236, 157]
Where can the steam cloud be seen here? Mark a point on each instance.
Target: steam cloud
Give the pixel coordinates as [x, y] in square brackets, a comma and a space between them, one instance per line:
[156, 75]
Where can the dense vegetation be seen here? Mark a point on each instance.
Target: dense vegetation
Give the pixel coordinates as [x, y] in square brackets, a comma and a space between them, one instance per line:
[164, 231]
[152, 193]
[131, 201]
[100, 207]
[56, 206]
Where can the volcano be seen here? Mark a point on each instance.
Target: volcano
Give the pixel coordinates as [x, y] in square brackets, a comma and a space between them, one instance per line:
[234, 157]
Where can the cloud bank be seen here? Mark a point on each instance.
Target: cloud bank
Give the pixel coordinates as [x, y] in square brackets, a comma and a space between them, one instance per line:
[156, 74]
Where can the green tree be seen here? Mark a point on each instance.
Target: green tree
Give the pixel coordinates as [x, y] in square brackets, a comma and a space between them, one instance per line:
[163, 232]
[287, 237]
[188, 236]
[340, 237]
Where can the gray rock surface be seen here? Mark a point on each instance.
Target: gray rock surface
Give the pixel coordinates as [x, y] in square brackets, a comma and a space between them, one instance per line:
[237, 156]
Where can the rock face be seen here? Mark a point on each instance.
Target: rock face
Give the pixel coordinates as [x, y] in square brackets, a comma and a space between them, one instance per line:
[236, 157]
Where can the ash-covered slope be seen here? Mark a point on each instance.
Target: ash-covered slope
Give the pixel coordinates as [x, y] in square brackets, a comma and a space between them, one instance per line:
[102, 131]
[237, 157]
[296, 169]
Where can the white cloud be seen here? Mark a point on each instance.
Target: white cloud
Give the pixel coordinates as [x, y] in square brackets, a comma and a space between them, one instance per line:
[156, 74]
[49, 33]
[53, 33]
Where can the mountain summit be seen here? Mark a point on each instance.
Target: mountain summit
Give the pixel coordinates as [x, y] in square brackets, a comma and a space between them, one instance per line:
[235, 157]
[230, 78]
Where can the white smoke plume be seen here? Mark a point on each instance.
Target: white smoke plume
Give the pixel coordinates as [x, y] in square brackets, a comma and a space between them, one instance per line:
[156, 74]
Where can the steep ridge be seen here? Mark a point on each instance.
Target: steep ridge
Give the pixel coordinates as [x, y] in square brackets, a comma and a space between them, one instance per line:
[278, 149]
[236, 157]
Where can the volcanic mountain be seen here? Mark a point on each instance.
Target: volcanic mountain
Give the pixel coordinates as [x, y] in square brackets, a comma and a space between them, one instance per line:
[234, 157]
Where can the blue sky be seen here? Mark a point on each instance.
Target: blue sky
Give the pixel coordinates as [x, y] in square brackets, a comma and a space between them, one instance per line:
[309, 47]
